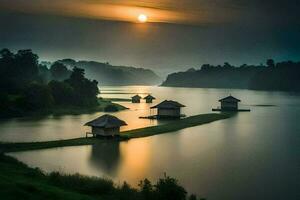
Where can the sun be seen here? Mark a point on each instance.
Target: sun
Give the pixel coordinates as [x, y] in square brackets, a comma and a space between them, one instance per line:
[142, 18]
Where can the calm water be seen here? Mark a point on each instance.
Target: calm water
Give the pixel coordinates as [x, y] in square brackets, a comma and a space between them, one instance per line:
[253, 155]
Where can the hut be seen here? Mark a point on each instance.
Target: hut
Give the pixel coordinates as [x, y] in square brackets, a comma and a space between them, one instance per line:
[229, 103]
[136, 99]
[168, 109]
[106, 125]
[149, 98]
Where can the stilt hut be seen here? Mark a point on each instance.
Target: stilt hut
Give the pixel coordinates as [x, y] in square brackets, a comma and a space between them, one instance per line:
[136, 99]
[149, 98]
[229, 103]
[168, 109]
[106, 125]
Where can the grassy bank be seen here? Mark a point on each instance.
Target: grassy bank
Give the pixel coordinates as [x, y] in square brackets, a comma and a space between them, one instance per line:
[137, 133]
[26, 146]
[18, 181]
[174, 126]
[118, 99]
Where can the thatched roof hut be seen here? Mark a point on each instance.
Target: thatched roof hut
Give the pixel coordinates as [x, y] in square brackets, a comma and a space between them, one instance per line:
[168, 109]
[106, 125]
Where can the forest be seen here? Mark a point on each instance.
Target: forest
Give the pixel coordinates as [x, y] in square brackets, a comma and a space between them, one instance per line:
[28, 86]
[281, 76]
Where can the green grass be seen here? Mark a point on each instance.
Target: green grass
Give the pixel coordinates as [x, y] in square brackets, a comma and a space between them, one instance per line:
[137, 133]
[26, 146]
[18, 181]
[174, 126]
[118, 99]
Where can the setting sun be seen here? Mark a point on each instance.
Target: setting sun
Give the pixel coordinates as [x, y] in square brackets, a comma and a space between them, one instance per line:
[142, 18]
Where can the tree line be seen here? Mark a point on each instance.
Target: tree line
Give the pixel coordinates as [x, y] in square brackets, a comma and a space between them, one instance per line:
[26, 85]
[282, 76]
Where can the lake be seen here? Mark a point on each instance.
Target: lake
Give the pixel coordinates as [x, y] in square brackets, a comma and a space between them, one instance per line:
[253, 155]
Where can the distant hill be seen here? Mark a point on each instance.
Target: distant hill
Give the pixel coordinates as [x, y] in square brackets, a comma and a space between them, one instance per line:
[111, 75]
[283, 76]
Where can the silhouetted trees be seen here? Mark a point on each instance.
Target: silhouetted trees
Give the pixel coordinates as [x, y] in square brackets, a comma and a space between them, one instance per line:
[25, 86]
[63, 93]
[59, 71]
[36, 96]
[166, 188]
[17, 70]
[282, 76]
[85, 90]
[270, 63]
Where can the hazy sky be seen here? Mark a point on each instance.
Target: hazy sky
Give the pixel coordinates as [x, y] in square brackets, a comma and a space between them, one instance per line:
[179, 35]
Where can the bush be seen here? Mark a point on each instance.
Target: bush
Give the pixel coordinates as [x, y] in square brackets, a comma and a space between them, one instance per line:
[111, 108]
[167, 188]
[146, 189]
[62, 92]
[36, 96]
[84, 184]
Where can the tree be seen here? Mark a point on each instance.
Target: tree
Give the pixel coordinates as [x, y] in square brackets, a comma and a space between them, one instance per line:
[59, 71]
[146, 189]
[206, 67]
[85, 90]
[26, 66]
[44, 74]
[167, 188]
[127, 193]
[6, 68]
[63, 93]
[17, 70]
[270, 63]
[37, 96]
[228, 66]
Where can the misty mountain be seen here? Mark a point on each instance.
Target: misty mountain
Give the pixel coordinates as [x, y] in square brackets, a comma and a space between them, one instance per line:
[283, 76]
[110, 75]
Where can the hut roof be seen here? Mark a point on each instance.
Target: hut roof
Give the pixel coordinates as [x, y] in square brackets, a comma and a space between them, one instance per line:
[149, 97]
[136, 97]
[168, 104]
[106, 121]
[230, 99]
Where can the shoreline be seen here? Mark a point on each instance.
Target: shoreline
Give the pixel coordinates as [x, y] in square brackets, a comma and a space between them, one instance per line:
[6, 147]
[69, 110]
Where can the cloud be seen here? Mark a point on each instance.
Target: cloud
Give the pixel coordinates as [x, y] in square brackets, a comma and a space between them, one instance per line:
[169, 11]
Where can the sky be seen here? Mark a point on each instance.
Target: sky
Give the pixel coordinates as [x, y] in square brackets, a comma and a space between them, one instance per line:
[178, 35]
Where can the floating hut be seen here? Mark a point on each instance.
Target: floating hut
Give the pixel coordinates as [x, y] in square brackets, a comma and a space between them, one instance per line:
[168, 109]
[149, 98]
[136, 99]
[106, 125]
[229, 103]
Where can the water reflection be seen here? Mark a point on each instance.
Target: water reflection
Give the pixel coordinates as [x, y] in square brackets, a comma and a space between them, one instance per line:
[106, 156]
[249, 156]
